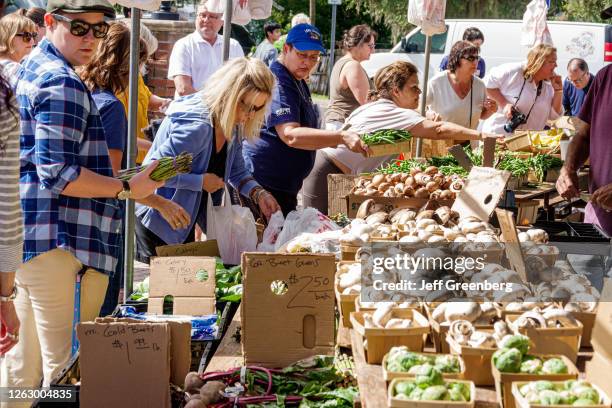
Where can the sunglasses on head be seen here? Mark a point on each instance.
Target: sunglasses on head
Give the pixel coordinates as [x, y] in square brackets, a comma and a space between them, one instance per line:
[27, 37]
[471, 58]
[80, 28]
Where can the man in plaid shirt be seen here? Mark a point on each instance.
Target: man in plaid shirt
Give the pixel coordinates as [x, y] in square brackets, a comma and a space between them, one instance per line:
[68, 194]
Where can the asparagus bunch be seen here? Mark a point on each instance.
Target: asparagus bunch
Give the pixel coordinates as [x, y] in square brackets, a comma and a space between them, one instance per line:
[167, 168]
[386, 136]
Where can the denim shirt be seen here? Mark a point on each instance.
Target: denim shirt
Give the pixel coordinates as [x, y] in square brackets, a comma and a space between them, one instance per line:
[187, 127]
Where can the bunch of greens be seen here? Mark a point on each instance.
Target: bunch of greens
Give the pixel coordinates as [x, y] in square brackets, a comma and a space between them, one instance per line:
[228, 283]
[318, 380]
[167, 168]
[517, 166]
[401, 166]
[570, 392]
[512, 357]
[541, 163]
[341, 219]
[431, 388]
[400, 359]
[141, 290]
[386, 136]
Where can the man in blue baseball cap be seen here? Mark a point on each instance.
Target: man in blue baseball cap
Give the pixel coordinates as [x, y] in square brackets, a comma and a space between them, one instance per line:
[284, 154]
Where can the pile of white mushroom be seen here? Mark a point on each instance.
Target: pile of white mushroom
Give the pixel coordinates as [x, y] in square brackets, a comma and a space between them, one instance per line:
[426, 184]
[464, 333]
[383, 318]
[548, 318]
[480, 313]
[349, 278]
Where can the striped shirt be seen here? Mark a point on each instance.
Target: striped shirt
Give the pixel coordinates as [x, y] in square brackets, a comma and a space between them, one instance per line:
[11, 223]
[61, 132]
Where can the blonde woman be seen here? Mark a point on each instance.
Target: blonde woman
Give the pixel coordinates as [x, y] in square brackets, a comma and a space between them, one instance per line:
[210, 125]
[17, 38]
[528, 94]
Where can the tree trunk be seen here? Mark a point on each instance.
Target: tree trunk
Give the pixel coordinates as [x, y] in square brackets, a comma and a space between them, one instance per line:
[312, 11]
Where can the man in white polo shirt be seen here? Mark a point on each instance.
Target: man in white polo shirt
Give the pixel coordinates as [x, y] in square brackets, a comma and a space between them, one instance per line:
[198, 55]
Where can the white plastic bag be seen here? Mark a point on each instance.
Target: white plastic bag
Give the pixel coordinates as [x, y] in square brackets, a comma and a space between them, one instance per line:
[300, 221]
[534, 29]
[270, 234]
[254, 9]
[428, 14]
[233, 227]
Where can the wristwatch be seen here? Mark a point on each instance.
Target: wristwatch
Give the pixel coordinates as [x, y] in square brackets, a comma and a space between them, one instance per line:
[10, 297]
[126, 192]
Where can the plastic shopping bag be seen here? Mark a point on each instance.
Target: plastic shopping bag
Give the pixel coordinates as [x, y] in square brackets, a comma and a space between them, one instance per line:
[233, 227]
[534, 29]
[428, 14]
[270, 235]
[300, 221]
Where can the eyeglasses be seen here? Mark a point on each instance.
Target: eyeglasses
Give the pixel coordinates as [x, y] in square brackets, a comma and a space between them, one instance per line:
[311, 58]
[579, 80]
[80, 28]
[27, 37]
[471, 58]
[372, 46]
[248, 108]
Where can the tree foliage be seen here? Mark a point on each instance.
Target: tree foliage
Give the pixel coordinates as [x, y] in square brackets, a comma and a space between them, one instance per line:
[585, 10]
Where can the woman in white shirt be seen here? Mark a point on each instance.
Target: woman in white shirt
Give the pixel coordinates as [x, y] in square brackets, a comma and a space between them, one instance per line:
[392, 103]
[531, 89]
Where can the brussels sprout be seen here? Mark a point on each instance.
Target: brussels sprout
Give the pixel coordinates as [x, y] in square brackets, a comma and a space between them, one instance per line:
[405, 387]
[583, 402]
[531, 365]
[447, 364]
[416, 394]
[588, 393]
[568, 384]
[463, 388]
[526, 388]
[554, 366]
[517, 341]
[401, 360]
[402, 397]
[434, 393]
[567, 398]
[507, 360]
[414, 369]
[543, 385]
[549, 397]
[456, 395]
[427, 375]
[579, 384]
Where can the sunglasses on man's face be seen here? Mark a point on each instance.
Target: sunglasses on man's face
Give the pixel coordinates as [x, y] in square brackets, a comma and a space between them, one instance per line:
[471, 58]
[80, 28]
[27, 37]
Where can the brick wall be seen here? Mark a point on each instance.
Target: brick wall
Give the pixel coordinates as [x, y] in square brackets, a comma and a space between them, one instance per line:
[167, 33]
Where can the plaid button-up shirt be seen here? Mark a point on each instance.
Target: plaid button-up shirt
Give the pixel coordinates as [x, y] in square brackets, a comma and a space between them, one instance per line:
[61, 133]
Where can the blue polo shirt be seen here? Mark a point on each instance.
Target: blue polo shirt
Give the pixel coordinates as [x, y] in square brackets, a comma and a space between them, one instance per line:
[574, 97]
[480, 71]
[114, 121]
[274, 164]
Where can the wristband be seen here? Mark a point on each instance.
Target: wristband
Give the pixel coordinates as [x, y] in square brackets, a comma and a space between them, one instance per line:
[10, 297]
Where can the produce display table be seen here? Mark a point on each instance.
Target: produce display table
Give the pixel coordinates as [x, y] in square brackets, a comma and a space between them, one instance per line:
[229, 352]
[373, 388]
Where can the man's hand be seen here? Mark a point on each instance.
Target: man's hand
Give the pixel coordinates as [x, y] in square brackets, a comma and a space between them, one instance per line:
[142, 185]
[602, 197]
[567, 184]
[174, 214]
[9, 327]
[267, 204]
[354, 143]
[212, 183]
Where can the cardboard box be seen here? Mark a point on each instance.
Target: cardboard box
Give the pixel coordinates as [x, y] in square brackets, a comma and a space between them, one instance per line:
[189, 279]
[477, 361]
[380, 341]
[552, 340]
[503, 381]
[390, 375]
[124, 364]
[200, 248]
[522, 402]
[400, 403]
[296, 322]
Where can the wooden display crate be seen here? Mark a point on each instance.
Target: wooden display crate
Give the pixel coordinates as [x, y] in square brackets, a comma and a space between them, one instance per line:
[521, 402]
[346, 303]
[390, 375]
[588, 320]
[503, 381]
[400, 403]
[380, 341]
[388, 149]
[477, 362]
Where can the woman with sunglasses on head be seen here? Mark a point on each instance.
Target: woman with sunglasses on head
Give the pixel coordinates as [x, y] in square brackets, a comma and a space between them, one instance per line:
[210, 125]
[457, 95]
[528, 93]
[17, 38]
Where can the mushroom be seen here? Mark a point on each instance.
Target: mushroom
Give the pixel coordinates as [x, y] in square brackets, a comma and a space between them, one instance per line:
[529, 319]
[468, 310]
[364, 209]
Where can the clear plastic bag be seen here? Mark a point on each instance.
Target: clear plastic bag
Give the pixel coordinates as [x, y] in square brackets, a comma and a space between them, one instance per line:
[270, 235]
[535, 30]
[233, 227]
[428, 14]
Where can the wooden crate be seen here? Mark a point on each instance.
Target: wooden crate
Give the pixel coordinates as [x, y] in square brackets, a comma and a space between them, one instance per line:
[338, 187]
[400, 403]
[588, 320]
[348, 252]
[477, 362]
[503, 381]
[521, 402]
[389, 149]
[380, 341]
[519, 141]
[553, 340]
[346, 303]
[390, 375]
[527, 212]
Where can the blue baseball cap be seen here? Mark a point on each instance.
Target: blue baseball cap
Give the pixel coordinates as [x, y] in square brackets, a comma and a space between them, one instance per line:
[305, 37]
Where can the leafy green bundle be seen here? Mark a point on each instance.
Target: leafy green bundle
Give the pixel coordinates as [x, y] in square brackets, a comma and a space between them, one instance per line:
[570, 392]
[228, 282]
[167, 168]
[386, 136]
[429, 386]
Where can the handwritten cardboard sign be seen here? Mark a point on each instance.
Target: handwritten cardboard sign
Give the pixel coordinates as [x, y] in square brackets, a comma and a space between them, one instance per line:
[189, 279]
[124, 364]
[200, 248]
[287, 310]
